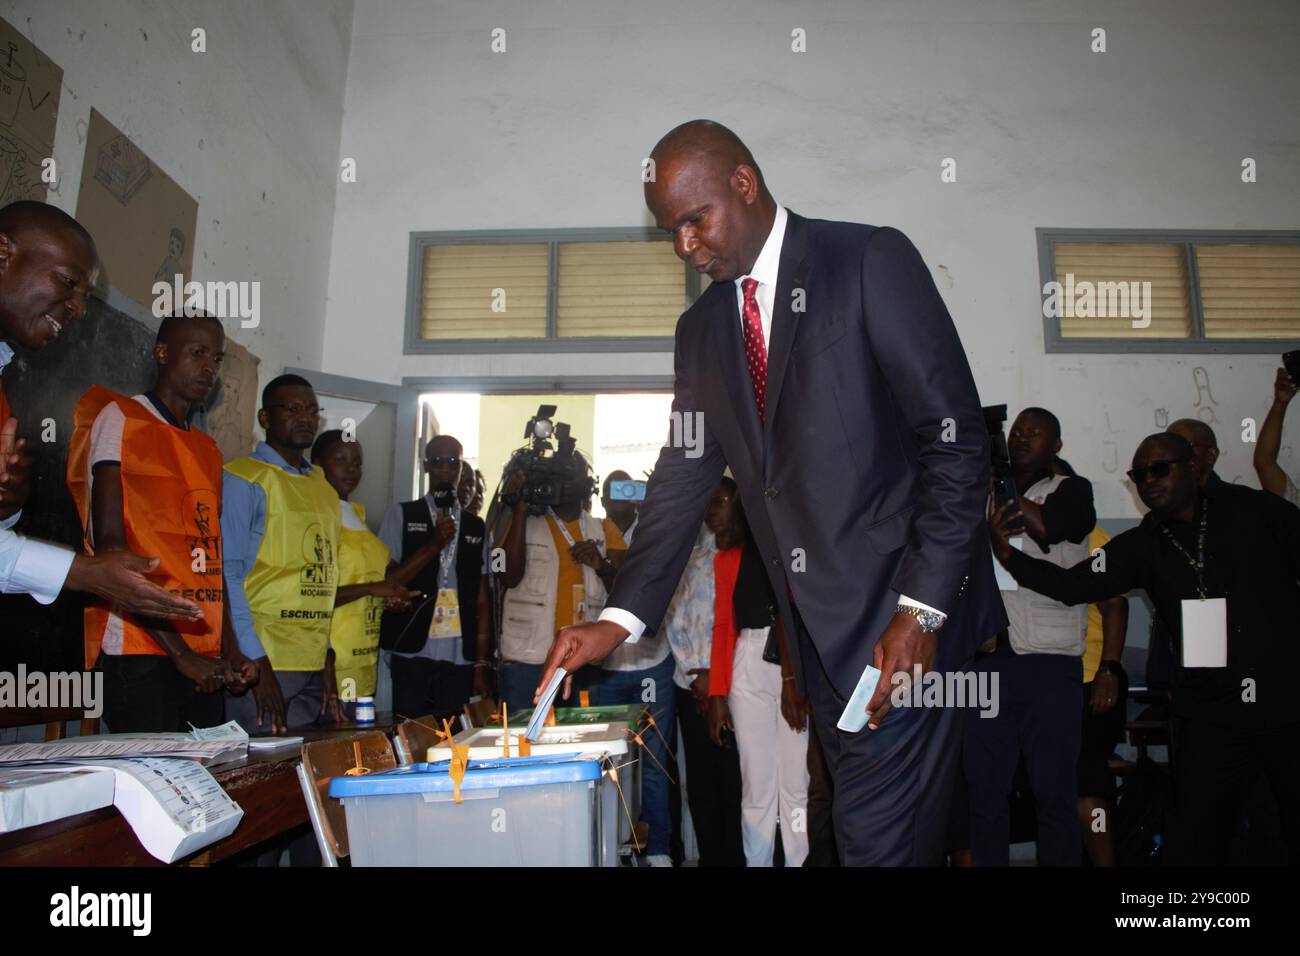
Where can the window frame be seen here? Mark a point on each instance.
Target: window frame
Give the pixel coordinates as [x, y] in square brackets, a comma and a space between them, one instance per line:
[414, 344]
[1054, 342]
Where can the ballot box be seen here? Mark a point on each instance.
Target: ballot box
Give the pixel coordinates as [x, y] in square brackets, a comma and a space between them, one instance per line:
[620, 797]
[516, 811]
[629, 715]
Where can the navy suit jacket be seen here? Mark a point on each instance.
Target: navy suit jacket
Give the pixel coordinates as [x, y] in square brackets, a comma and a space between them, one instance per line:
[869, 478]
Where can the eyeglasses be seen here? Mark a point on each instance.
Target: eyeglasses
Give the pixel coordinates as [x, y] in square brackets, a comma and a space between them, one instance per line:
[436, 460]
[1157, 469]
[296, 409]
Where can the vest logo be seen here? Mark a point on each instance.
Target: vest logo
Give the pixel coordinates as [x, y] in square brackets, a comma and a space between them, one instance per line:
[420, 526]
[318, 556]
[473, 539]
[202, 529]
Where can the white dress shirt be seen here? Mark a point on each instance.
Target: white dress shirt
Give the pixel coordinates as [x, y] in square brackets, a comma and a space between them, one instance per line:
[765, 270]
[28, 566]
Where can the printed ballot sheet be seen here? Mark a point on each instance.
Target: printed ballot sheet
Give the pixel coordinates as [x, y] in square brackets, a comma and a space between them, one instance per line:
[117, 746]
[174, 806]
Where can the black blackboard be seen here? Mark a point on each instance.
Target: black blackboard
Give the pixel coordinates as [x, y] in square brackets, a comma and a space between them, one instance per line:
[107, 347]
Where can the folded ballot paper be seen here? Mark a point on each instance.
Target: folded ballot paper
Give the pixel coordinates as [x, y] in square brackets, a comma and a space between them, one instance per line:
[543, 707]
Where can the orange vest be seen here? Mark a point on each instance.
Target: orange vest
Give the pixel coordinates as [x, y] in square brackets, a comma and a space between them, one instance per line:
[171, 503]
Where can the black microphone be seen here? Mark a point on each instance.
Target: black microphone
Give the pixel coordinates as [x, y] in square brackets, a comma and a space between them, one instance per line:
[443, 497]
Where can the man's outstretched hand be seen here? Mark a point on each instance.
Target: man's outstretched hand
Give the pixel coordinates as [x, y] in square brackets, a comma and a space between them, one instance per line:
[576, 645]
[121, 578]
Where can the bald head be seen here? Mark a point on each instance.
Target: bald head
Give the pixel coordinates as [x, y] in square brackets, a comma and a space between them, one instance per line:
[708, 193]
[1165, 444]
[707, 143]
[47, 268]
[1200, 438]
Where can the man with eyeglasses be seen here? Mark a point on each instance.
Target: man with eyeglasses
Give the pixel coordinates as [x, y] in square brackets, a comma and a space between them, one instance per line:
[440, 652]
[280, 525]
[1220, 565]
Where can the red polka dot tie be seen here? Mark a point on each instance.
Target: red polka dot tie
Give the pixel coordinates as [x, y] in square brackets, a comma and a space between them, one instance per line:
[755, 349]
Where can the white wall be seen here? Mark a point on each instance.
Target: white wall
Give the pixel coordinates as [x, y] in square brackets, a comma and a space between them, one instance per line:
[448, 135]
[250, 129]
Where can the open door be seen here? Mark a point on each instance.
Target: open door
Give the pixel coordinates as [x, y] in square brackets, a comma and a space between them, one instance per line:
[385, 418]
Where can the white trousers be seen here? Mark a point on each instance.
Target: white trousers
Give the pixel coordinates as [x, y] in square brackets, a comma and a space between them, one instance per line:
[773, 758]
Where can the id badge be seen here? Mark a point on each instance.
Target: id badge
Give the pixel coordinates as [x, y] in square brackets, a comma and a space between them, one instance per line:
[446, 614]
[579, 603]
[1205, 632]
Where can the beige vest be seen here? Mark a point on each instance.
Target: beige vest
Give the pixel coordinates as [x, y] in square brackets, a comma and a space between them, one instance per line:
[1040, 625]
[528, 616]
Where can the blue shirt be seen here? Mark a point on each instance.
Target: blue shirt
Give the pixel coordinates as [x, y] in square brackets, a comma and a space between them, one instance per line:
[28, 566]
[243, 522]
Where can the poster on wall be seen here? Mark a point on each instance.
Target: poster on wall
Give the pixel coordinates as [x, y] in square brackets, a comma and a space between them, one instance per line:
[232, 408]
[30, 85]
[142, 221]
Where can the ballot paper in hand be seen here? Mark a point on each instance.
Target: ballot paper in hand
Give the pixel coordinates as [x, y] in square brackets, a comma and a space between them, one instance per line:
[544, 705]
[855, 714]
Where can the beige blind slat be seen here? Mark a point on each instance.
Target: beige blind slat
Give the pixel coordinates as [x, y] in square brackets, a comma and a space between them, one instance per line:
[1161, 264]
[618, 289]
[1250, 291]
[457, 291]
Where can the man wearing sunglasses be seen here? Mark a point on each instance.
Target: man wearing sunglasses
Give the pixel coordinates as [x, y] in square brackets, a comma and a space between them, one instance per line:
[1221, 567]
[439, 548]
[280, 525]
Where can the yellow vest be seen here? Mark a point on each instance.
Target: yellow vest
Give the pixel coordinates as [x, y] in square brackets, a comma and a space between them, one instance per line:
[290, 588]
[354, 632]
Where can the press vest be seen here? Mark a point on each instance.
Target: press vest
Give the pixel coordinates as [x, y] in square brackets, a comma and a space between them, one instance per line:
[528, 616]
[171, 509]
[406, 632]
[290, 587]
[354, 629]
[1039, 625]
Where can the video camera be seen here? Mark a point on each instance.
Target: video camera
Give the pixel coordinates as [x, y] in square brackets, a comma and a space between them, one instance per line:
[1004, 487]
[546, 468]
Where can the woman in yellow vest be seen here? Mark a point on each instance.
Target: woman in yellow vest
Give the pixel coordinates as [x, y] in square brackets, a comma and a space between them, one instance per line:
[363, 589]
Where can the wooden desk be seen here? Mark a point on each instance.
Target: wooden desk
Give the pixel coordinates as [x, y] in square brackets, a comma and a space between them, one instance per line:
[265, 785]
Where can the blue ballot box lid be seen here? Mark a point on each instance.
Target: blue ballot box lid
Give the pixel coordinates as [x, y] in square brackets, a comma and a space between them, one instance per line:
[479, 775]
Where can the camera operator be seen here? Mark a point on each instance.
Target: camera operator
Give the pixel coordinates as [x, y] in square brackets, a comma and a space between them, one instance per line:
[559, 568]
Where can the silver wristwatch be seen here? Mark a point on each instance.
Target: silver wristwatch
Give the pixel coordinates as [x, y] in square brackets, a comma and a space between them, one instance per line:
[930, 621]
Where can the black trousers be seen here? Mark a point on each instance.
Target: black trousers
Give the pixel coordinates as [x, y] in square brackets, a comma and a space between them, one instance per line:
[1039, 716]
[892, 786]
[145, 693]
[821, 792]
[1216, 769]
[712, 787]
[423, 687]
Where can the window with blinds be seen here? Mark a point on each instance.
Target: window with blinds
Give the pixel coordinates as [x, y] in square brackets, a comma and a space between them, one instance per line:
[1192, 291]
[570, 290]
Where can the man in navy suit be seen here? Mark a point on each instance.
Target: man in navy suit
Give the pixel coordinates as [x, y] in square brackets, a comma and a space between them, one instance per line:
[822, 366]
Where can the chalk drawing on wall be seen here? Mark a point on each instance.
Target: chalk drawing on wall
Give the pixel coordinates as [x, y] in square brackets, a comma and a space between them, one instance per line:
[1206, 406]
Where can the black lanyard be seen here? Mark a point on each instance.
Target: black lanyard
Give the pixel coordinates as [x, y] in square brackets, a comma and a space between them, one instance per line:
[1199, 564]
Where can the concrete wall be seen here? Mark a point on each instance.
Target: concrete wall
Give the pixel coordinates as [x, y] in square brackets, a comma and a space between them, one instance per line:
[250, 129]
[448, 135]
